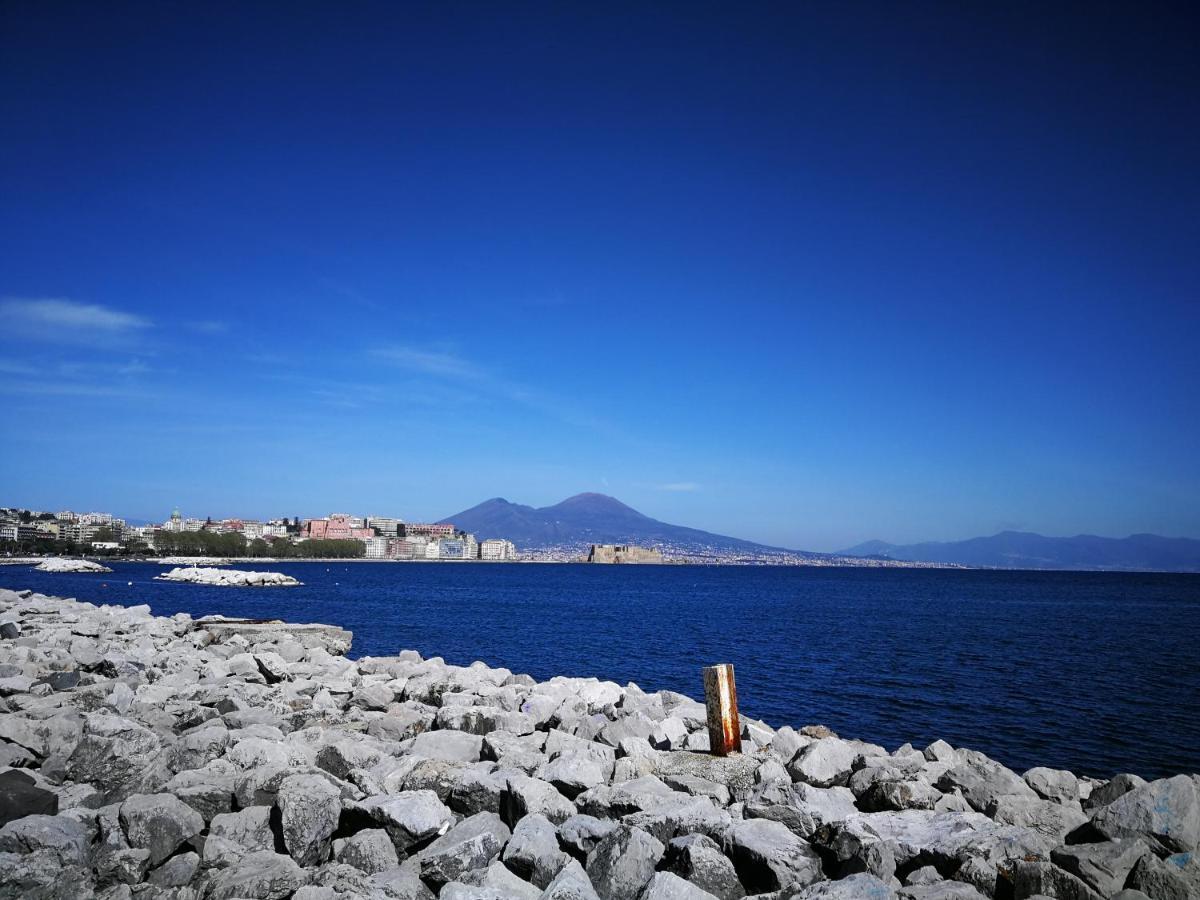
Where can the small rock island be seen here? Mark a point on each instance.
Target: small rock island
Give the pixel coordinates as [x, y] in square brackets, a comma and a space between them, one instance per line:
[227, 577]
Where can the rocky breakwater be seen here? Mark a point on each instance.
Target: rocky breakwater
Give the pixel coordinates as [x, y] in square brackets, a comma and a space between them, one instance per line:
[167, 757]
[58, 564]
[228, 577]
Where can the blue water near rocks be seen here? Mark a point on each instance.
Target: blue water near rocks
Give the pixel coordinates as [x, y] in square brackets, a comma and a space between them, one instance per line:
[1097, 673]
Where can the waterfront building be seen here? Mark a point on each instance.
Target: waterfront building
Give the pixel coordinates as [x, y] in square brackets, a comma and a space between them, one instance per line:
[433, 550]
[385, 526]
[497, 550]
[623, 553]
[375, 548]
[428, 529]
[337, 526]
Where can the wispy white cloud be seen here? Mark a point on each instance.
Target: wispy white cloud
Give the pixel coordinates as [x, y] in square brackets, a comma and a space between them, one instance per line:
[209, 326]
[679, 486]
[66, 321]
[429, 362]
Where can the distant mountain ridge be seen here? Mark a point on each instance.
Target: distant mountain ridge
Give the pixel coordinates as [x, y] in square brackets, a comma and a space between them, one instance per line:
[1026, 550]
[588, 519]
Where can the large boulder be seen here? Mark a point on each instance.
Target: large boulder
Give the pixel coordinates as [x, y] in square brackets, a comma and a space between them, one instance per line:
[450, 746]
[983, 781]
[61, 835]
[698, 859]
[769, 857]
[572, 883]
[309, 809]
[118, 756]
[410, 817]
[623, 862]
[523, 795]
[854, 887]
[1104, 866]
[824, 762]
[159, 823]
[1165, 813]
[471, 844]
[668, 886]
[370, 850]
[234, 835]
[533, 851]
[20, 796]
[263, 875]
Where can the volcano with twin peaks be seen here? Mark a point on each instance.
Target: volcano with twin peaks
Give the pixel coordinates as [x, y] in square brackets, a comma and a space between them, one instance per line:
[587, 519]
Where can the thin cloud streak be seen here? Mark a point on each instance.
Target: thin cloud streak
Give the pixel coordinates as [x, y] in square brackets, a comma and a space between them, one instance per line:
[67, 320]
[429, 362]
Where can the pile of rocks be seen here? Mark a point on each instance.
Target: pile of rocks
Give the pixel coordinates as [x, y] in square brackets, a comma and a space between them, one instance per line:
[59, 564]
[228, 577]
[165, 757]
[193, 560]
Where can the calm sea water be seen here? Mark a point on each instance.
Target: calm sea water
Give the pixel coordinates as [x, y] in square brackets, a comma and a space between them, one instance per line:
[1097, 673]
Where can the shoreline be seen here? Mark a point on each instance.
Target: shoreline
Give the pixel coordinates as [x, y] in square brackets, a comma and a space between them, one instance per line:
[229, 758]
[922, 567]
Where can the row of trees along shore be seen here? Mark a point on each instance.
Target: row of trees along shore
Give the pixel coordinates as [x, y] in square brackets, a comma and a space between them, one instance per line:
[193, 543]
[208, 543]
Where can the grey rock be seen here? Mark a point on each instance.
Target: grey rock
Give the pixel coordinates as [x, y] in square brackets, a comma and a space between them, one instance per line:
[234, 835]
[668, 886]
[370, 850]
[496, 881]
[61, 835]
[1032, 879]
[824, 763]
[572, 883]
[769, 857]
[1053, 784]
[20, 796]
[263, 875]
[177, 871]
[1166, 813]
[854, 887]
[523, 795]
[580, 833]
[159, 823]
[1104, 866]
[982, 781]
[533, 851]
[309, 808]
[41, 875]
[471, 844]
[1106, 793]
[623, 862]
[1048, 817]
[801, 807]
[410, 817]
[118, 756]
[941, 890]
[698, 859]
[1161, 880]
[451, 746]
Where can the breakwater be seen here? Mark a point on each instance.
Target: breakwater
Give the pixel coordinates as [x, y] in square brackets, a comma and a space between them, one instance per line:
[147, 756]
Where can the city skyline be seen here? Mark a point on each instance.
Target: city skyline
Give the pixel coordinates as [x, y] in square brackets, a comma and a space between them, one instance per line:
[811, 277]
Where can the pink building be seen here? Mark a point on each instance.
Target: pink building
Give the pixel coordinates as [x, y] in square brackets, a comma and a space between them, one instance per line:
[337, 526]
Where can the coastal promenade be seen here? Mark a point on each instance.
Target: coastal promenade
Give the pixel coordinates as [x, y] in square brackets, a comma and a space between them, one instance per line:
[149, 757]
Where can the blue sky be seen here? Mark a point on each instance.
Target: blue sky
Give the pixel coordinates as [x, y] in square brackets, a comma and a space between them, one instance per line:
[805, 275]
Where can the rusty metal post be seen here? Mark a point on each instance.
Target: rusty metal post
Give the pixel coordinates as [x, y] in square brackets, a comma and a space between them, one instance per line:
[720, 698]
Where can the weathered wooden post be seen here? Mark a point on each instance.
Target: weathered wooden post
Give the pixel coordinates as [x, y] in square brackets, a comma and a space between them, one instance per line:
[720, 698]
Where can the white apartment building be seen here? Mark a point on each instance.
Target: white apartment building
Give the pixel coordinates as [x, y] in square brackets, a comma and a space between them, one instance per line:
[497, 550]
[376, 547]
[433, 550]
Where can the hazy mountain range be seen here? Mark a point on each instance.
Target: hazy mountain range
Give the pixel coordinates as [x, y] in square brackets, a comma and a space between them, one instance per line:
[588, 519]
[1025, 550]
[596, 518]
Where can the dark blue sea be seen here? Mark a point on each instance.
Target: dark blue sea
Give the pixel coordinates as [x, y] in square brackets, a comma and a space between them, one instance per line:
[1097, 673]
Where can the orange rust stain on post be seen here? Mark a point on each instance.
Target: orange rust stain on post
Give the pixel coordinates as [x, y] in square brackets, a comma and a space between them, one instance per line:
[720, 700]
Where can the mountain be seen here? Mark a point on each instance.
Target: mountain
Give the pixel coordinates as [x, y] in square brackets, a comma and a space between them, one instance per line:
[588, 519]
[1025, 550]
